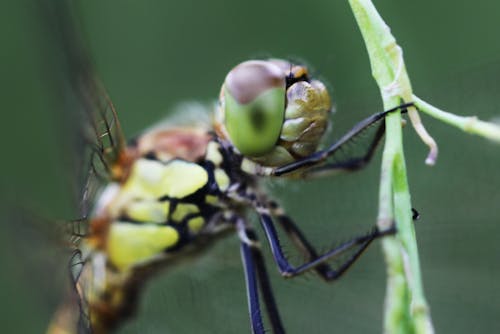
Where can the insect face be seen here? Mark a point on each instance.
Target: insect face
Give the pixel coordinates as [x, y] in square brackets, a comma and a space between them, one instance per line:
[272, 112]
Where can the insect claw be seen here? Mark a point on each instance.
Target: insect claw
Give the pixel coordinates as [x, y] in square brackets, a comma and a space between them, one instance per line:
[390, 231]
[415, 214]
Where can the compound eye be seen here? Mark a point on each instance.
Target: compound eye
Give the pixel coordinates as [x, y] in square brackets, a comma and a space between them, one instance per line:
[254, 106]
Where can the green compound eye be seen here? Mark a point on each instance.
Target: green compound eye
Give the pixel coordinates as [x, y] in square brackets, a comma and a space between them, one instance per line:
[254, 106]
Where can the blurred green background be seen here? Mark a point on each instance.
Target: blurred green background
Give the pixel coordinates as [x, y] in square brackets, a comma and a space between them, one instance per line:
[152, 55]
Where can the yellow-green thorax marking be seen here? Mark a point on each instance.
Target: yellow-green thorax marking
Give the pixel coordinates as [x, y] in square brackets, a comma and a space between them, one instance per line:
[163, 203]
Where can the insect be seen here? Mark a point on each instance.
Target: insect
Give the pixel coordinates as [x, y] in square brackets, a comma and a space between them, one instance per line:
[173, 191]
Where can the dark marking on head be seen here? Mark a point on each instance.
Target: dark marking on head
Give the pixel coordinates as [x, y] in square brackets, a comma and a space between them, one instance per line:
[258, 118]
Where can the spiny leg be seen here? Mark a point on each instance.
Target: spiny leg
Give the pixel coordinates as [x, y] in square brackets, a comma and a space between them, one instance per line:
[267, 292]
[255, 271]
[320, 157]
[300, 241]
[287, 270]
[351, 164]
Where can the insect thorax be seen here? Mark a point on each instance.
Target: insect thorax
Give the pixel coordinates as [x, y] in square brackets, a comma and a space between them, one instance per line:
[171, 192]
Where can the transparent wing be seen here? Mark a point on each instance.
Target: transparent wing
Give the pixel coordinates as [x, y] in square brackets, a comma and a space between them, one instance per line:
[91, 132]
[97, 138]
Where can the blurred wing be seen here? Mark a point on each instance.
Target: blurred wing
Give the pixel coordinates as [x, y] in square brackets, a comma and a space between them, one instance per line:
[97, 136]
[92, 134]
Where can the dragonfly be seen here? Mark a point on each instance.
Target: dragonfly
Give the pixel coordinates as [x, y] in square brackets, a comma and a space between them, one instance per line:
[173, 191]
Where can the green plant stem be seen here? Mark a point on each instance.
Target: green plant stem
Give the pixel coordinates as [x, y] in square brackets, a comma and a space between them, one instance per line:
[406, 309]
[468, 124]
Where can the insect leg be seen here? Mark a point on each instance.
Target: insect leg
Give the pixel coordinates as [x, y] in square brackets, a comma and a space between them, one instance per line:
[351, 164]
[320, 157]
[300, 241]
[255, 271]
[359, 244]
